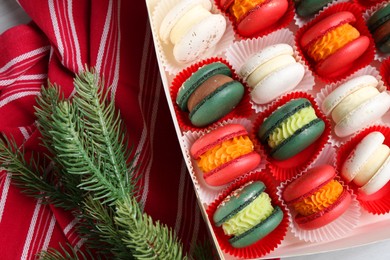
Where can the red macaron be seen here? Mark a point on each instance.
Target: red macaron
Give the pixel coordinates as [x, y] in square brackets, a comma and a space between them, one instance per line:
[334, 44]
[257, 17]
[316, 197]
[225, 154]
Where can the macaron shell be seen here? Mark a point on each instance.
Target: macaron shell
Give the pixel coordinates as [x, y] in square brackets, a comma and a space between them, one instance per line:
[176, 13]
[360, 155]
[337, 63]
[200, 38]
[277, 83]
[237, 200]
[385, 46]
[267, 68]
[310, 7]
[320, 28]
[327, 215]
[378, 18]
[299, 142]
[215, 137]
[337, 95]
[260, 231]
[233, 169]
[197, 78]
[308, 183]
[368, 112]
[218, 104]
[379, 180]
[263, 56]
[261, 17]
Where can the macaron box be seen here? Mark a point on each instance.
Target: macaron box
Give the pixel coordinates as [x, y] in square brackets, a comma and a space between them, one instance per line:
[282, 112]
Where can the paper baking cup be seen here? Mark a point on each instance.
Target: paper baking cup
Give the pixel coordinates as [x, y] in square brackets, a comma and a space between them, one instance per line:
[301, 21]
[338, 228]
[360, 25]
[367, 3]
[379, 202]
[239, 52]
[282, 23]
[287, 169]
[165, 51]
[385, 72]
[380, 56]
[326, 90]
[243, 109]
[266, 244]
[208, 193]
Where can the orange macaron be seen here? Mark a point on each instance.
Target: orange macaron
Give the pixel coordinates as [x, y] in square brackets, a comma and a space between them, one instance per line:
[333, 44]
[252, 17]
[317, 197]
[225, 154]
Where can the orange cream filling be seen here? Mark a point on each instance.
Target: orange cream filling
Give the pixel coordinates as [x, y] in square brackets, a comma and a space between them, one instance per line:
[241, 7]
[225, 152]
[320, 200]
[332, 41]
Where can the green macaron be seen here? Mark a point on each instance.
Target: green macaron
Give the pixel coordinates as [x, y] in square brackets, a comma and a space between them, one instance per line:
[379, 26]
[297, 137]
[237, 201]
[309, 7]
[215, 92]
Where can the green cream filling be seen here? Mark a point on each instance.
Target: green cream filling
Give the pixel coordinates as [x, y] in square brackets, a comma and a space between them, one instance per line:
[256, 212]
[290, 125]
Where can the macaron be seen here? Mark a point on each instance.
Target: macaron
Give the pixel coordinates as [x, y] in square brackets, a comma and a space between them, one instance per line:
[209, 94]
[316, 197]
[272, 72]
[333, 44]
[225, 154]
[290, 129]
[192, 29]
[355, 104]
[253, 17]
[368, 165]
[247, 215]
[306, 8]
[379, 26]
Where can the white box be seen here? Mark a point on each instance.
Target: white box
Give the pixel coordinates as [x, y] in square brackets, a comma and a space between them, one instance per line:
[371, 229]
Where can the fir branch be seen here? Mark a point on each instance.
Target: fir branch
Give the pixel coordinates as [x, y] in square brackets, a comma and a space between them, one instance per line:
[147, 239]
[104, 129]
[31, 177]
[66, 253]
[87, 143]
[104, 235]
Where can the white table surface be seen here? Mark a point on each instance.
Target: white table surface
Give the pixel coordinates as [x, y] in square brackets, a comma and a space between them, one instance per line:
[11, 14]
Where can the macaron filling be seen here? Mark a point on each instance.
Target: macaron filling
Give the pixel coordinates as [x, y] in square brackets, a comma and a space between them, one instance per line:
[207, 88]
[372, 165]
[287, 128]
[254, 213]
[224, 152]
[240, 8]
[331, 41]
[353, 101]
[320, 199]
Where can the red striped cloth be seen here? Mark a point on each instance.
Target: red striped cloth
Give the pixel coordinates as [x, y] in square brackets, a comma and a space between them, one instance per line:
[113, 36]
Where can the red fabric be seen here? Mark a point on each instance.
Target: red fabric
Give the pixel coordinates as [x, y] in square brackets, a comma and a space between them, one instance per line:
[113, 36]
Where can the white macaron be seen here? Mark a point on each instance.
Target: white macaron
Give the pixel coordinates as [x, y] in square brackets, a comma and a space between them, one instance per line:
[368, 164]
[272, 72]
[192, 29]
[355, 104]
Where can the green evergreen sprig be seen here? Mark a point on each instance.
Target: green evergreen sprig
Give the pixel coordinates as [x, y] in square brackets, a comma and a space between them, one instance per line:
[91, 172]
